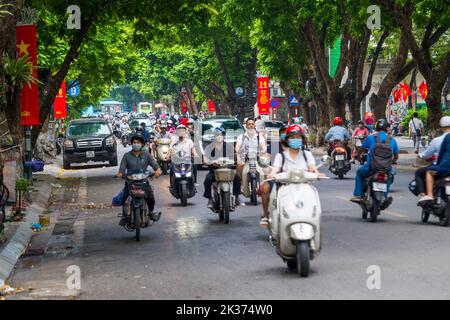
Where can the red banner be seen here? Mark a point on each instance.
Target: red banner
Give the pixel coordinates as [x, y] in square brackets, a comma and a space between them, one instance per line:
[405, 90]
[211, 106]
[60, 103]
[397, 95]
[263, 95]
[423, 88]
[184, 109]
[29, 96]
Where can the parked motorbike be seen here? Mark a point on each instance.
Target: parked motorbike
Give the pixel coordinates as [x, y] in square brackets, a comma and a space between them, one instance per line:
[223, 198]
[253, 176]
[183, 186]
[135, 207]
[339, 165]
[440, 206]
[361, 153]
[295, 219]
[162, 152]
[375, 197]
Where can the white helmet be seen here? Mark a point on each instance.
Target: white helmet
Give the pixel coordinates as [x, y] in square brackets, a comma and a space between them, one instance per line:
[444, 122]
[181, 127]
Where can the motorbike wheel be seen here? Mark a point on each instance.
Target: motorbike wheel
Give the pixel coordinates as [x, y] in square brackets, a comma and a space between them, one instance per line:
[364, 214]
[341, 175]
[444, 221]
[226, 207]
[253, 195]
[164, 168]
[291, 264]
[425, 216]
[137, 223]
[375, 211]
[183, 195]
[303, 258]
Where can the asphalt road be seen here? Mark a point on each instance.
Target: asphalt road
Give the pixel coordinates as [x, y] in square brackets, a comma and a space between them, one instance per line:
[189, 254]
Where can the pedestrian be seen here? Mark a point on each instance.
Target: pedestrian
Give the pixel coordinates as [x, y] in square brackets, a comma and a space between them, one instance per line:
[415, 131]
[369, 120]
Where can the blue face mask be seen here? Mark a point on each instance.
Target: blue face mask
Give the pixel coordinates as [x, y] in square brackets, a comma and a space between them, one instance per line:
[283, 136]
[295, 143]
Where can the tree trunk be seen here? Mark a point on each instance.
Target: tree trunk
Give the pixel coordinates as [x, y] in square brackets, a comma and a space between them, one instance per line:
[433, 101]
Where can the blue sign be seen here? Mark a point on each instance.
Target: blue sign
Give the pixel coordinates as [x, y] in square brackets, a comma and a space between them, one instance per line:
[274, 103]
[239, 91]
[74, 91]
[294, 102]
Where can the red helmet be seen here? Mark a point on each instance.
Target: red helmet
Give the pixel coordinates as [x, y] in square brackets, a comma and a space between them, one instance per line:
[294, 129]
[337, 121]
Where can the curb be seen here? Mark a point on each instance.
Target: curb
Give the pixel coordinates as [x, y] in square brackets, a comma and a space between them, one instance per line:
[18, 243]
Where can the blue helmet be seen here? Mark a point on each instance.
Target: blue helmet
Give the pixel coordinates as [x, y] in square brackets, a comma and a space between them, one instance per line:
[219, 130]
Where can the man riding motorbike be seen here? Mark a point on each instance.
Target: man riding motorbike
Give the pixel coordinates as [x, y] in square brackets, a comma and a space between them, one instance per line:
[364, 171]
[295, 157]
[339, 133]
[214, 151]
[139, 159]
[249, 142]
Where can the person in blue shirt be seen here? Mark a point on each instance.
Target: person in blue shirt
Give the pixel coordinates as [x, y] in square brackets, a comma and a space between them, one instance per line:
[364, 171]
[338, 133]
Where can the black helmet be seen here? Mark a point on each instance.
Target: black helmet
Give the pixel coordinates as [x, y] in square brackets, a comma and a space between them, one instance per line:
[381, 125]
[138, 136]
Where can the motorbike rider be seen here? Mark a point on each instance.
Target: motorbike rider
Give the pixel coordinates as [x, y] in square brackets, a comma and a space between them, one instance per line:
[359, 130]
[338, 132]
[296, 157]
[303, 125]
[432, 150]
[145, 132]
[139, 159]
[218, 149]
[364, 171]
[249, 142]
[162, 134]
[184, 144]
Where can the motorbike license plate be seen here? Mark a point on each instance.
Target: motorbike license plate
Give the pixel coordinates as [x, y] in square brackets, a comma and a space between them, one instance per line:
[447, 190]
[138, 192]
[90, 154]
[358, 143]
[379, 187]
[340, 157]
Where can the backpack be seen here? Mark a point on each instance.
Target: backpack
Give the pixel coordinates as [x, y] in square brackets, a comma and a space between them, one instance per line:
[381, 155]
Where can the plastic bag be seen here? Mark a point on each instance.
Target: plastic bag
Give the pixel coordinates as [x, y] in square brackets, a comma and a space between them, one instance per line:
[117, 200]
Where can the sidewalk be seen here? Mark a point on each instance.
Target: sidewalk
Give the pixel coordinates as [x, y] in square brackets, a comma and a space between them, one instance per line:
[18, 234]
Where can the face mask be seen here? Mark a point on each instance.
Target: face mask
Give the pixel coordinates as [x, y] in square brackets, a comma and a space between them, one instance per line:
[219, 138]
[283, 136]
[295, 143]
[136, 146]
[251, 131]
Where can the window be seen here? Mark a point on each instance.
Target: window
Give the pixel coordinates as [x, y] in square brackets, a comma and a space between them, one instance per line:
[88, 129]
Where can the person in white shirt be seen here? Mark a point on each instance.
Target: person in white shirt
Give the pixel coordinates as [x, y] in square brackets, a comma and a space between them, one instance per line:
[415, 131]
[182, 144]
[294, 158]
[249, 142]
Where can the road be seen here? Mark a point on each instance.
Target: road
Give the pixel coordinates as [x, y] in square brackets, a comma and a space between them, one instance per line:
[189, 254]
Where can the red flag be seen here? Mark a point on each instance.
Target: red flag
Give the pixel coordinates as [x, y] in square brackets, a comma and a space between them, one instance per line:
[211, 106]
[397, 95]
[423, 88]
[60, 103]
[184, 109]
[29, 96]
[263, 95]
[405, 90]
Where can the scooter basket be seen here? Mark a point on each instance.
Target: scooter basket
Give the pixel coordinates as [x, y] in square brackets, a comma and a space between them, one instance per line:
[223, 175]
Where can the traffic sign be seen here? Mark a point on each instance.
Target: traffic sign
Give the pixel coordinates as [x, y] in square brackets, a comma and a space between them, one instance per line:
[274, 103]
[293, 101]
[74, 91]
[239, 91]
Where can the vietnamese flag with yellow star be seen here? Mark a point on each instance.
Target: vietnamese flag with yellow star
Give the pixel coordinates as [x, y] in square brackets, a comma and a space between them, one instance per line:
[26, 44]
[60, 104]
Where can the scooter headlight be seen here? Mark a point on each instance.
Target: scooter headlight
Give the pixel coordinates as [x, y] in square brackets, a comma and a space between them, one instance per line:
[188, 174]
[177, 175]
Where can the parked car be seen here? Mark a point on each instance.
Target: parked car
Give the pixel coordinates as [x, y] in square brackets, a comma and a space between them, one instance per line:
[89, 140]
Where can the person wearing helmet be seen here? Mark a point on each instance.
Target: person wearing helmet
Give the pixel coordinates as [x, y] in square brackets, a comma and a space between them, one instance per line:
[338, 133]
[162, 134]
[182, 143]
[360, 130]
[431, 152]
[138, 159]
[364, 171]
[145, 132]
[296, 157]
[218, 149]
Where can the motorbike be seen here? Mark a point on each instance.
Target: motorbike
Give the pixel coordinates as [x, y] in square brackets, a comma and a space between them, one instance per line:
[375, 195]
[295, 221]
[183, 186]
[162, 152]
[361, 153]
[223, 198]
[125, 136]
[440, 206]
[339, 165]
[396, 128]
[135, 207]
[253, 176]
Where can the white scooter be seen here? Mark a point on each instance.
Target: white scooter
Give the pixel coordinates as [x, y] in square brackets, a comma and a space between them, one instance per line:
[162, 153]
[295, 218]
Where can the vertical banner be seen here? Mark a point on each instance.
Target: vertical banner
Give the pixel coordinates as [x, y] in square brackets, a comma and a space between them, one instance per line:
[60, 104]
[263, 95]
[29, 96]
[184, 109]
[211, 106]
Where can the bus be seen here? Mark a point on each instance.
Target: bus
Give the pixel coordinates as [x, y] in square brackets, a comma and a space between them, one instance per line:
[145, 107]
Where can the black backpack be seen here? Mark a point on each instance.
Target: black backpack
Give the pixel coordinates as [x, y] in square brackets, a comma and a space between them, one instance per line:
[381, 155]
